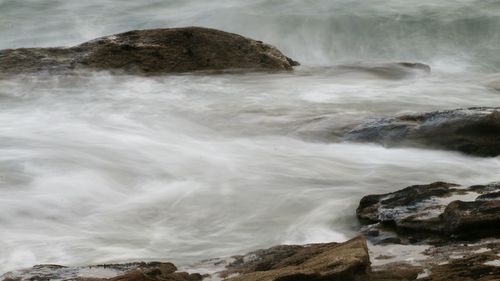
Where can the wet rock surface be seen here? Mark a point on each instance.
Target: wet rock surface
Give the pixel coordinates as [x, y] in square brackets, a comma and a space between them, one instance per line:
[441, 209]
[332, 261]
[474, 131]
[435, 232]
[151, 52]
[467, 262]
[452, 262]
[115, 272]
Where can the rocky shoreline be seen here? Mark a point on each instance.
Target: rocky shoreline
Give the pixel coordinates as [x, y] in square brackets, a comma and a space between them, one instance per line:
[438, 231]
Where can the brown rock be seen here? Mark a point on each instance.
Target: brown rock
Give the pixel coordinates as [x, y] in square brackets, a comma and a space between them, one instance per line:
[473, 268]
[472, 218]
[132, 276]
[151, 52]
[398, 271]
[346, 261]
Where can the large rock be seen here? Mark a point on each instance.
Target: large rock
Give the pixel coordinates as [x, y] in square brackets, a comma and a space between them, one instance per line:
[333, 261]
[440, 208]
[474, 131]
[151, 52]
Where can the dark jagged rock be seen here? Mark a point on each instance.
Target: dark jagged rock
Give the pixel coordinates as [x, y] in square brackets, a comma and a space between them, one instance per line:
[474, 131]
[438, 227]
[440, 208]
[151, 52]
[333, 261]
[472, 218]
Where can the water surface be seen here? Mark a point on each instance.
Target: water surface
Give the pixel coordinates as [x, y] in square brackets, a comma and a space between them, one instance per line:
[99, 168]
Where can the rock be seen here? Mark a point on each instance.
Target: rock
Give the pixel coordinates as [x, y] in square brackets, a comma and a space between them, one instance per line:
[489, 196]
[152, 271]
[441, 208]
[398, 70]
[472, 218]
[448, 262]
[151, 52]
[152, 276]
[474, 131]
[480, 261]
[332, 261]
[475, 268]
[398, 271]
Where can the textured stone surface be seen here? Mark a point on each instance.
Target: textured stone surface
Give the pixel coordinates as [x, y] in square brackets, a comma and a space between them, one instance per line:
[442, 208]
[151, 52]
[333, 261]
[474, 131]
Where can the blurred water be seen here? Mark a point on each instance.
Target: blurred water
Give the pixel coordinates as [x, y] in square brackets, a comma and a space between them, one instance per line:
[455, 34]
[103, 168]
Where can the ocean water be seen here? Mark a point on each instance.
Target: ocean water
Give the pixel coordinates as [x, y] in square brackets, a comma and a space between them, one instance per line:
[100, 168]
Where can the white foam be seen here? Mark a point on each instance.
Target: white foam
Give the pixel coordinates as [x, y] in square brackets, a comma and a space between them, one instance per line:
[493, 263]
[412, 254]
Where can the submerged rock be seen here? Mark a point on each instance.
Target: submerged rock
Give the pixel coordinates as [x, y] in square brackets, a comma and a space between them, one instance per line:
[441, 208]
[141, 271]
[399, 70]
[474, 131]
[151, 52]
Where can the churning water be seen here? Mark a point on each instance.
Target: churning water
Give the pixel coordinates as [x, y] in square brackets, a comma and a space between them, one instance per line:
[103, 168]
